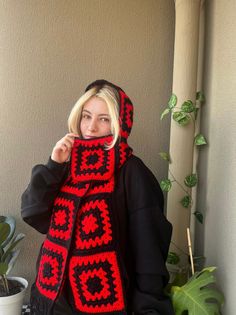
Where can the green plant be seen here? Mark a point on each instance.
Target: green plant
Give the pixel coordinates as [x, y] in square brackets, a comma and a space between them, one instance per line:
[182, 116]
[197, 296]
[193, 295]
[8, 250]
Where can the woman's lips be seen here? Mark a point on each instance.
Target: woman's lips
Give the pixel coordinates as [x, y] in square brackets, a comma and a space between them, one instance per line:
[90, 137]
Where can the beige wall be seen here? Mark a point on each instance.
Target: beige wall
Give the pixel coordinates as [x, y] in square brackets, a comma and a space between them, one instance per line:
[49, 52]
[217, 197]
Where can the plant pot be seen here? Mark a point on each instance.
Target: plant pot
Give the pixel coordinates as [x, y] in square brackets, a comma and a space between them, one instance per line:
[12, 305]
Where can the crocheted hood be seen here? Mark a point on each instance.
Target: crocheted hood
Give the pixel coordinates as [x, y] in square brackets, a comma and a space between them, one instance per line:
[125, 107]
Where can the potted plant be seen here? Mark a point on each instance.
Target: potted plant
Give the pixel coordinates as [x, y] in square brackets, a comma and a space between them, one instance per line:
[194, 294]
[12, 289]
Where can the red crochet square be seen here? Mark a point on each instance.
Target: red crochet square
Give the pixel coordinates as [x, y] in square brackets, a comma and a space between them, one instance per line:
[89, 160]
[93, 225]
[51, 269]
[62, 219]
[96, 283]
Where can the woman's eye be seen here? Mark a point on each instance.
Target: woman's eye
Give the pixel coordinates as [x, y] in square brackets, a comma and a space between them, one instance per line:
[104, 119]
[85, 116]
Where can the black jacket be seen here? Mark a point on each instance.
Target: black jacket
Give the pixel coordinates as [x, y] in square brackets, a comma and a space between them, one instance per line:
[144, 232]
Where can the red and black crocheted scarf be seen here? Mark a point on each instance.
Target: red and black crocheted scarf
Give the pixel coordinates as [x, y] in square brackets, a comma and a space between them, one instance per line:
[81, 241]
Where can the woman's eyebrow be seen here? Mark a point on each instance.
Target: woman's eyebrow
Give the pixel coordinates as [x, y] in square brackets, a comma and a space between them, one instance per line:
[87, 111]
[104, 115]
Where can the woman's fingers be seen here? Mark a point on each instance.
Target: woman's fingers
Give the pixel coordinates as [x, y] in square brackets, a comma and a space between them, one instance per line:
[63, 148]
[67, 142]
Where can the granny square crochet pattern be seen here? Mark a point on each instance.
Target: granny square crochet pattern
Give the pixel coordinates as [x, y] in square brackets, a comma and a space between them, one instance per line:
[96, 283]
[62, 219]
[92, 161]
[53, 258]
[93, 225]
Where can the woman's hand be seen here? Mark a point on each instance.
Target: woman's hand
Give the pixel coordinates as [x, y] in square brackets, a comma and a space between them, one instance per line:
[63, 147]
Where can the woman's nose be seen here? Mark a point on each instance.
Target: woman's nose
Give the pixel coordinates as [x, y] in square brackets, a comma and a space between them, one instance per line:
[92, 125]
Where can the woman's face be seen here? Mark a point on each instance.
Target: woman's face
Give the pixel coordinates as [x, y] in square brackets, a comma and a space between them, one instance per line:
[95, 119]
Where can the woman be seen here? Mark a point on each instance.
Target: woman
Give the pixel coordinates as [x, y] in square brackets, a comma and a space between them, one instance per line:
[101, 209]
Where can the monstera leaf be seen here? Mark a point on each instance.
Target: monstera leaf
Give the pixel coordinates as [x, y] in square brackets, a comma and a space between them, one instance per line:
[195, 297]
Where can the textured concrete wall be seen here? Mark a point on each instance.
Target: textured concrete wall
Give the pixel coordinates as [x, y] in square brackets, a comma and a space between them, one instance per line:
[49, 51]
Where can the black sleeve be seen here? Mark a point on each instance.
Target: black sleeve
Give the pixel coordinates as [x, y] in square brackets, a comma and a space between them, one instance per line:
[149, 237]
[38, 198]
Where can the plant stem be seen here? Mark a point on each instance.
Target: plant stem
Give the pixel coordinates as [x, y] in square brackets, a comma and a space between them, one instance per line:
[5, 284]
[179, 183]
[193, 119]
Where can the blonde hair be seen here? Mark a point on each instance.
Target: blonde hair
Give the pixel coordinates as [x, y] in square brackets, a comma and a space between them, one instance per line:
[107, 94]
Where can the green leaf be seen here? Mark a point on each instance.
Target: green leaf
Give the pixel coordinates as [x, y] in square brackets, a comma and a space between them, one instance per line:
[3, 268]
[165, 112]
[200, 97]
[13, 244]
[196, 297]
[172, 101]
[191, 180]
[166, 185]
[4, 232]
[188, 107]
[199, 139]
[181, 118]
[199, 216]
[12, 225]
[12, 259]
[186, 201]
[165, 156]
[173, 258]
